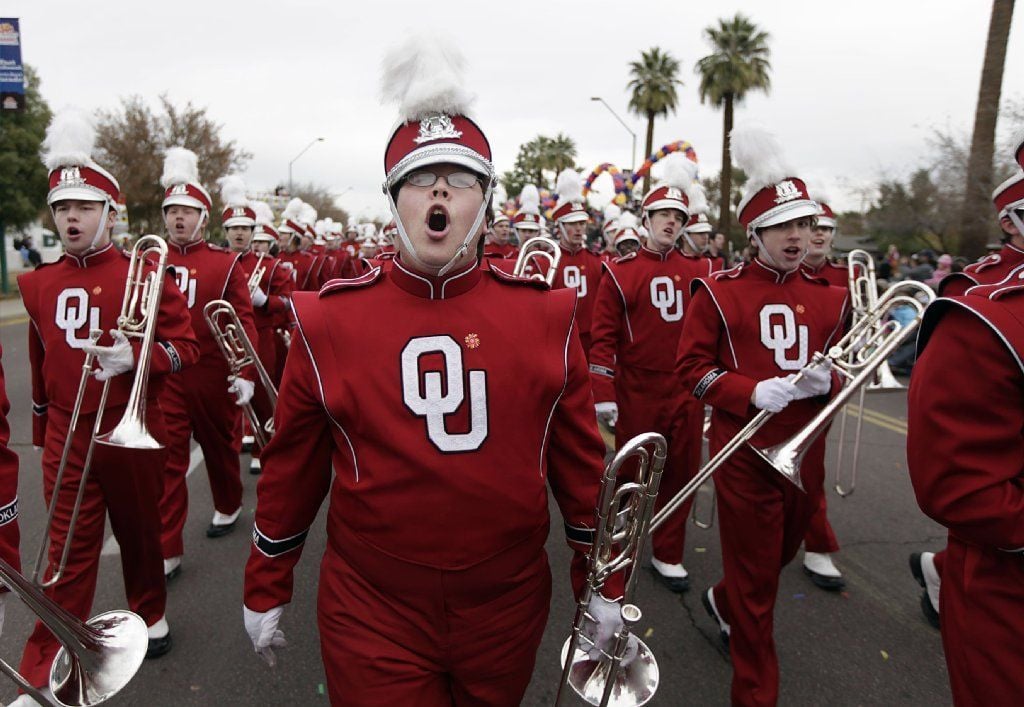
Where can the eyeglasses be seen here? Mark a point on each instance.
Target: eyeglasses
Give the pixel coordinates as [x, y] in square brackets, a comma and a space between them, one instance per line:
[460, 180]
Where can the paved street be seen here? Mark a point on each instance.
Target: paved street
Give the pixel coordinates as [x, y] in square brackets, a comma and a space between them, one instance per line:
[867, 646]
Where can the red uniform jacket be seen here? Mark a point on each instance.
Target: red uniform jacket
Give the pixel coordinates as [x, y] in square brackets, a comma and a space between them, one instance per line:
[9, 534]
[64, 301]
[501, 252]
[302, 265]
[277, 285]
[717, 262]
[207, 272]
[639, 314]
[835, 275]
[580, 271]
[442, 449]
[751, 323]
[991, 268]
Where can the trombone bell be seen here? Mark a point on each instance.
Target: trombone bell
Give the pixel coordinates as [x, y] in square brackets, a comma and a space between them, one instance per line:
[786, 458]
[634, 685]
[77, 681]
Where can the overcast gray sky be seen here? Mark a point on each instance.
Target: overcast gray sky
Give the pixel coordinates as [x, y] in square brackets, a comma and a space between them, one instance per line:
[856, 87]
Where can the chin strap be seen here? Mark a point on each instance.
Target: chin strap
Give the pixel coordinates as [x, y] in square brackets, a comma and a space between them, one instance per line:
[762, 252]
[462, 249]
[1016, 220]
[646, 223]
[99, 230]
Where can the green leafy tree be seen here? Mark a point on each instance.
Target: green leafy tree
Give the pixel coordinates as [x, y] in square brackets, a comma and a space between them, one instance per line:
[321, 199]
[653, 81]
[131, 142]
[738, 64]
[538, 162]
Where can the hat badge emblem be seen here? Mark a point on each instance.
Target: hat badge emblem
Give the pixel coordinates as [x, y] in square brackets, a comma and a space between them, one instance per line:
[71, 177]
[238, 211]
[437, 127]
[786, 191]
[673, 193]
[179, 189]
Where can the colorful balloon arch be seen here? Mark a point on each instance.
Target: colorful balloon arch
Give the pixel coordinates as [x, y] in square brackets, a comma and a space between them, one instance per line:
[678, 146]
[622, 187]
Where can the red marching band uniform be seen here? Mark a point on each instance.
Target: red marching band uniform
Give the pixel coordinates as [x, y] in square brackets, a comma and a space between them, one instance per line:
[641, 305]
[964, 451]
[746, 330]
[434, 588]
[10, 537]
[196, 403]
[65, 302]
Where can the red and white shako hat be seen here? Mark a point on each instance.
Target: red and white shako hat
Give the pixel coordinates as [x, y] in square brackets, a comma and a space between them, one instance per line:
[698, 222]
[70, 139]
[237, 209]
[1008, 198]
[307, 219]
[291, 222]
[611, 214]
[626, 229]
[826, 216]
[773, 193]
[570, 207]
[181, 181]
[264, 218]
[527, 218]
[500, 217]
[673, 189]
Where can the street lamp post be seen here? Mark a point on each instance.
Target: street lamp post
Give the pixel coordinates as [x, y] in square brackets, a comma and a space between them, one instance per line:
[319, 139]
[632, 167]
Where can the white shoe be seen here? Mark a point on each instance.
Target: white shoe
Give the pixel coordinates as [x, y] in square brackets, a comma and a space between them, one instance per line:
[667, 570]
[821, 563]
[932, 581]
[172, 566]
[159, 629]
[221, 519]
[708, 600]
[27, 701]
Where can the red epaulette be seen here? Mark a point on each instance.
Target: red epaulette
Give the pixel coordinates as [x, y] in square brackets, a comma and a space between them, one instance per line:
[510, 279]
[218, 248]
[985, 263]
[730, 274]
[814, 278]
[368, 278]
[625, 258]
[1013, 283]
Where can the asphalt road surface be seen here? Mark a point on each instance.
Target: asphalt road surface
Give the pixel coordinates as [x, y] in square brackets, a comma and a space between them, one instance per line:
[869, 645]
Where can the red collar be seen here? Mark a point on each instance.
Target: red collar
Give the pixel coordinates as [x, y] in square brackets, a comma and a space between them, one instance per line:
[767, 272]
[646, 252]
[432, 287]
[93, 258]
[183, 249]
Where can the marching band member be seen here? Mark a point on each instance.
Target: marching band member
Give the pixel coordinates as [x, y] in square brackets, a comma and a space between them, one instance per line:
[964, 451]
[526, 221]
[273, 348]
[747, 331]
[1008, 198]
[578, 268]
[295, 248]
[820, 541]
[270, 296]
[498, 243]
[434, 588]
[67, 301]
[200, 402]
[10, 536]
[637, 321]
[625, 238]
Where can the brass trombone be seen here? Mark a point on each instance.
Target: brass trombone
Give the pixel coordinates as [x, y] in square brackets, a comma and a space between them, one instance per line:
[97, 658]
[857, 355]
[622, 518]
[535, 251]
[138, 319]
[239, 352]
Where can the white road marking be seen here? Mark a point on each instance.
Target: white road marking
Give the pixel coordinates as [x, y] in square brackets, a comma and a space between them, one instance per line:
[195, 458]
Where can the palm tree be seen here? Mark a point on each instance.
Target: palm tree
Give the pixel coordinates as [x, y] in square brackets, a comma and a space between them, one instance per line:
[737, 65]
[558, 153]
[975, 223]
[653, 83]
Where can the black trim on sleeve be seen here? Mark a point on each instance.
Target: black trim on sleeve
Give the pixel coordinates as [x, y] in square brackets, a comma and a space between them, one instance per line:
[602, 370]
[579, 535]
[172, 354]
[9, 513]
[40, 408]
[704, 383]
[272, 548]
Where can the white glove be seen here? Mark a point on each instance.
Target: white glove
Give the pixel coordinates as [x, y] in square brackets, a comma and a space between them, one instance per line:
[608, 413]
[259, 297]
[773, 394]
[262, 629]
[114, 360]
[243, 389]
[607, 623]
[816, 380]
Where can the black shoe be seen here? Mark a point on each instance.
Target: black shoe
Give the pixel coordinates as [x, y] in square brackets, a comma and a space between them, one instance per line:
[832, 584]
[255, 468]
[674, 584]
[172, 574]
[218, 531]
[715, 617]
[930, 614]
[915, 568]
[158, 646]
[247, 443]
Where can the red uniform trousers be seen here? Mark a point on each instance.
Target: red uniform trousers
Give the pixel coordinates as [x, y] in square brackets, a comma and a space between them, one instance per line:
[820, 537]
[654, 401]
[125, 484]
[196, 403]
[762, 521]
[980, 604]
[394, 633]
[280, 353]
[267, 352]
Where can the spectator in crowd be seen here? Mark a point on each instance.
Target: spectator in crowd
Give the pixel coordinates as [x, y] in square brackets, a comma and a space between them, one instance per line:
[944, 268]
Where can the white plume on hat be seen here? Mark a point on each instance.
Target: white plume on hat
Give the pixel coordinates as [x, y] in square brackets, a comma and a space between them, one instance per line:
[697, 198]
[307, 215]
[292, 210]
[263, 213]
[758, 153]
[628, 220]
[232, 190]
[424, 75]
[676, 170]
[612, 212]
[181, 166]
[819, 196]
[569, 187]
[70, 139]
[529, 199]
